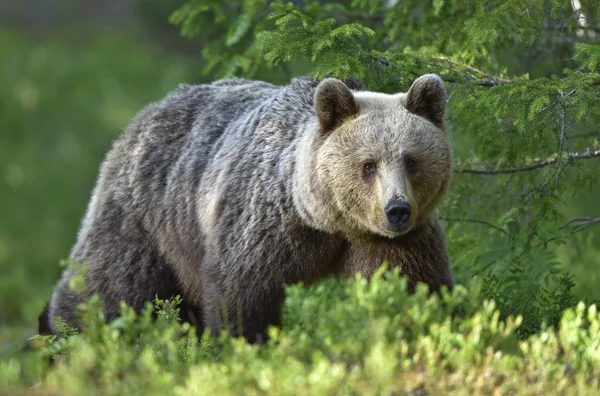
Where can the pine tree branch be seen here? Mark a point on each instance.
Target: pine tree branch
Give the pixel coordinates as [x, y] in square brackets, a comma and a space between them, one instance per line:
[538, 163]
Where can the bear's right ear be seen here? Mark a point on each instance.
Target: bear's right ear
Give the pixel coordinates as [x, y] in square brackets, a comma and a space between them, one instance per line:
[334, 103]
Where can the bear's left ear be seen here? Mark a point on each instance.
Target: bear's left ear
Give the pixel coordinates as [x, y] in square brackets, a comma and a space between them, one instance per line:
[334, 103]
[427, 98]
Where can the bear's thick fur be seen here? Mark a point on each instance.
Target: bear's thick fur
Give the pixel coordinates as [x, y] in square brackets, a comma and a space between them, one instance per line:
[223, 193]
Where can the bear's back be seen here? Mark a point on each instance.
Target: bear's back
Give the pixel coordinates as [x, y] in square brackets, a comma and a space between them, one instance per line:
[213, 160]
[202, 155]
[170, 143]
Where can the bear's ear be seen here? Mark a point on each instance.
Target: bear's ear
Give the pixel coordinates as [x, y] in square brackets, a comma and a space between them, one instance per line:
[334, 103]
[427, 98]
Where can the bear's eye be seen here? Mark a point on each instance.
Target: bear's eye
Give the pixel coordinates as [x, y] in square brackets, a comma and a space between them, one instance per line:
[411, 164]
[369, 168]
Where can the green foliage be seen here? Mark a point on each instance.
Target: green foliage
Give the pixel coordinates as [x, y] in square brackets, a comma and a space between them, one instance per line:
[588, 55]
[227, 29]
[299, 35]
[348, 337]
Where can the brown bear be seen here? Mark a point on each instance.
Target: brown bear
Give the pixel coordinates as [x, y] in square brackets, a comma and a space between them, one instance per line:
[224, 193]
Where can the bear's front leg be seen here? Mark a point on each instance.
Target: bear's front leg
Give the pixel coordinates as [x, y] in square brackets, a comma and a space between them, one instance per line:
[240, 307]
[421, 254]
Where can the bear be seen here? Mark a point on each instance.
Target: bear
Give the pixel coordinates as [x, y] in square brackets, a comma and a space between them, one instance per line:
[223, 193]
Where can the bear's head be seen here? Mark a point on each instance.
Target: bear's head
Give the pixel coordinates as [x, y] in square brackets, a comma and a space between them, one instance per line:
[384, 160]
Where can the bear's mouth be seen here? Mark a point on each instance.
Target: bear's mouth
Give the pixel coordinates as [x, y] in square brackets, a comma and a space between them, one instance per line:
[396, 230]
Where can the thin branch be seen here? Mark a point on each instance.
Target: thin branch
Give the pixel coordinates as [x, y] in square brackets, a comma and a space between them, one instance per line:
[563, 97]
[476, 221]
[538, 163]
[478, 81]
[480, 270]
[584, 135]
[558, 171]
[580, 223]
[563, 140]
[476, 70]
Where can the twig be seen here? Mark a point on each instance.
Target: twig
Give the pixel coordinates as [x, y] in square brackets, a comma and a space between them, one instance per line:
[539, 163]
[580, 223]
[563, 139]
[478, 81]
[562, 97]
[476, 221]
[453, 62]
[558, 171]
[480, 270]
[584, 135]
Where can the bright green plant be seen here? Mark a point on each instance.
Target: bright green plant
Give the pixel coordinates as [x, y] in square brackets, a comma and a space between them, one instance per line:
[338, 337]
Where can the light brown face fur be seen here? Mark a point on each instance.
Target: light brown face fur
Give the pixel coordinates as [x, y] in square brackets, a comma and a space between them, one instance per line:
[383, 154]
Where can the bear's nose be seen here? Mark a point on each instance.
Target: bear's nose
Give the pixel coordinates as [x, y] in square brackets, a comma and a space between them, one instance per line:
[398, 213]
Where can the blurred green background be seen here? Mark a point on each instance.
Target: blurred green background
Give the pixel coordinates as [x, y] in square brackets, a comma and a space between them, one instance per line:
[72, 75]
[67, 90]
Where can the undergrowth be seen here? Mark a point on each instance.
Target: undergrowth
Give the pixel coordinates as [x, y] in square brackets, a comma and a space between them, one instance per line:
[338, 337]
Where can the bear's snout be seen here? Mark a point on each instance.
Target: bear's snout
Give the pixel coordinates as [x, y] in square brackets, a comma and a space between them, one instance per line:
[398, 213]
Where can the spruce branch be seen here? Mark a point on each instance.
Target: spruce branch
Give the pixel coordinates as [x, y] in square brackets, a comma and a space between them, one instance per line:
[537, 164]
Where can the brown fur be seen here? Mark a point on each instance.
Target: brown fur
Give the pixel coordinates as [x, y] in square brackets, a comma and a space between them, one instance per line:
[421, 256]
[223, 193]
